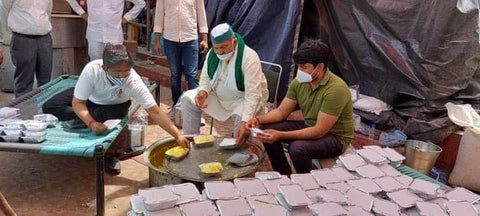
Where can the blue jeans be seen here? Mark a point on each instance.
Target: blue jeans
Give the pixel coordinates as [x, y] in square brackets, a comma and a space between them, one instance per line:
[178, 54]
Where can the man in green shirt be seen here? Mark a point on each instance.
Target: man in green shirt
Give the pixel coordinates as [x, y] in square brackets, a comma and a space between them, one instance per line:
[326, 105]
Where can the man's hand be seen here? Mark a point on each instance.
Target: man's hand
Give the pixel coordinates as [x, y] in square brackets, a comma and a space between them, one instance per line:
[271, 136]
[242, 134]
[85, 17]
[253, 123]
[158, 47]
[124, 21]
[201, 99]
[181, 140]
[98, 128]
[1, 56]
[203, 46]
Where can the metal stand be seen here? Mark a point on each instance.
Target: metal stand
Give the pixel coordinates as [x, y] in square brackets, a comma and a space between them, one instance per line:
[100, 168]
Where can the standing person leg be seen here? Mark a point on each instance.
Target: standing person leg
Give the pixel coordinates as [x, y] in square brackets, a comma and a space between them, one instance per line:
[275, 150]
[190, 61]
[191, 114]
[302, 151]
[44, 60]
[173, 52]
[24, 54]
[95, 50]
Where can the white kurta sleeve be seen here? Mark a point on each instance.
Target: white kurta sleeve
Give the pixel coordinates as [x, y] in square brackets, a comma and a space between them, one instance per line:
[138, 5]
[76, 7]
[204, 83]
[253, 78]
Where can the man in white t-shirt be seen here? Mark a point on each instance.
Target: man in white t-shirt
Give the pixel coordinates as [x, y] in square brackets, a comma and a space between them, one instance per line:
[103, 91]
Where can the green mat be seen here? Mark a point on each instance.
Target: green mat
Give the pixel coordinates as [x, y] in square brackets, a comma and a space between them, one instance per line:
[59, 140]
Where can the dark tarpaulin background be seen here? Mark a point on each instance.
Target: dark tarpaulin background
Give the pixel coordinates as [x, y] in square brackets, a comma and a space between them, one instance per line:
[268, 27]
[411, 54]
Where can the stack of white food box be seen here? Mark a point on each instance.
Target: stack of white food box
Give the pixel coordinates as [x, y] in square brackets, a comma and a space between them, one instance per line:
[28, 131]
[363, 183]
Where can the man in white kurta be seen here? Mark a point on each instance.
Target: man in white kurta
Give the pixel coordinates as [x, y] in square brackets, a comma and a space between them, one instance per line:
[220, 94]
[105, 19]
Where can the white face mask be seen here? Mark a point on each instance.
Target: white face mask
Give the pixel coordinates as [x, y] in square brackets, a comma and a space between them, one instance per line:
[303, 77]
[225, 56]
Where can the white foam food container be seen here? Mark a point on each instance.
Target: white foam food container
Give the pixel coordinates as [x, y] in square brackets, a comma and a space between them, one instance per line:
[430, 209]
[235, 207]
[221, 190]
[11, 138]
[357, 211]
[267, 175]
[6, 112]
[34, 133]
[343, 174]
[404, 198]
[37, 139]
[47, 118]
[227, 143]
[332, 196]
[13, 132]
[352, 161]
[461, 209]
[404, 179]
[294, 195]
[187, 192]
[32, 125]
[327, 209]
[372, 156]
[158, 198]
[306, 181]
[340, 186]
[200, 208]
[384, 207]
[462, 194]
[250, 187]
[389, 184]
[360, 199]
[393, 155]
[421, 186]
[370, 171]
[325, 176]
[389, 170]
[14, 125]
[365, 185]
[272, 184]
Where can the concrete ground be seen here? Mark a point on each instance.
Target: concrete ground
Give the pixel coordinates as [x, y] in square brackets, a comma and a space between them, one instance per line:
[41, 185]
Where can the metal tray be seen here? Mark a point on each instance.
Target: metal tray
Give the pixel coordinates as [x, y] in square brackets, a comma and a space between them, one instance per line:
[188, 169]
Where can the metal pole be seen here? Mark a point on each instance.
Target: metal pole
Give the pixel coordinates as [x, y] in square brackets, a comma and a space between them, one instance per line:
[100, 168]
[148, 25]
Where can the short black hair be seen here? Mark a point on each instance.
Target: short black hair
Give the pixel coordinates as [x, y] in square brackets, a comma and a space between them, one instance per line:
[313, 52]
[115, 55]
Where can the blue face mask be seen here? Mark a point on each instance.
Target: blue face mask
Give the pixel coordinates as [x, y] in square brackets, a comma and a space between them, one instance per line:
[116, 81]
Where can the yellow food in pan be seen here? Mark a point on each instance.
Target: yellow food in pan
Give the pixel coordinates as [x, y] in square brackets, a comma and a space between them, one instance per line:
[203, 139]
[211, 168]
[176, 152]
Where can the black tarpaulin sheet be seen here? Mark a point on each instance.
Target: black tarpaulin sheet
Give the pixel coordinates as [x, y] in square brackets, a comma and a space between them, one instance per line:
[411, 54]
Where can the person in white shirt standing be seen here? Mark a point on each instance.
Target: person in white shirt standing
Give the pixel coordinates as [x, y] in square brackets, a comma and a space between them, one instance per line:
[179, 22]
[103, 91]
[104, 22]
[231, 84]
[31, 44]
